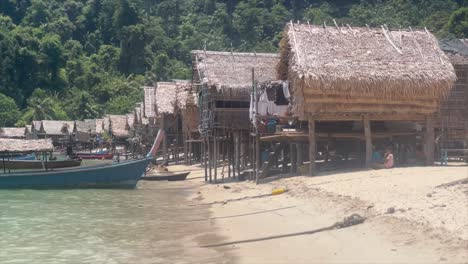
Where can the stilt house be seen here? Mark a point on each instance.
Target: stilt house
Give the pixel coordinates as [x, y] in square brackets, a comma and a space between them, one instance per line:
[224, 82]
[453, 116]
[367, 75]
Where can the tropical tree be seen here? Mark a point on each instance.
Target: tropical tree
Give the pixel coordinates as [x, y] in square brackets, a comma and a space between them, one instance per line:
[9, 112]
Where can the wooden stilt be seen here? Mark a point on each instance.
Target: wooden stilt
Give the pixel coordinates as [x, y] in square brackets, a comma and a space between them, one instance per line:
[293, 155]
[312, 146]
[210, 157]
[204, 153]
[257, 157]
[429, 138]
[215, 155]
[284, 152]
[228, 150]
[163, 128]
[300, 156]
[368, 137]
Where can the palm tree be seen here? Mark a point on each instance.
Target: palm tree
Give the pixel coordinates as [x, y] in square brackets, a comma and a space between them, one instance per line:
[40, 109]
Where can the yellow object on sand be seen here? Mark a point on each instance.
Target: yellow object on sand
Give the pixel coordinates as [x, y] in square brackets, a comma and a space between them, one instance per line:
[278, 191]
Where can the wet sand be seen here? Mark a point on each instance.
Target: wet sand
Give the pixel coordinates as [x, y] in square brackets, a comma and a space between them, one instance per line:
[414, 233]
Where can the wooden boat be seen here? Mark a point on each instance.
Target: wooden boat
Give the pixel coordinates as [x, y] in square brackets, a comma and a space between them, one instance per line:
[25, 157]
[95, 156]
[38, 164]
[180, 176]
[117, 175]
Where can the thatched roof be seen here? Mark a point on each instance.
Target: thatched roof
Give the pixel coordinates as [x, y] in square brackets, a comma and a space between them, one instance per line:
[21, 145]
[86, 126]
[97, 125]
[231, 72]
[359, 69]
[166, 93]
[150, 101]
[456, 50]
[130, 120]
[35, 126]
[106, 123]
[118, 125]
[12, 132]
[56, 127]
[183, 93]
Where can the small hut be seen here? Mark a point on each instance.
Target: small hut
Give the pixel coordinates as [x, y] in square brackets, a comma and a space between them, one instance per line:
[59, 131]
[168, 116]
[118, 128]
[12, 132]
[453, 116]
[224, 82]
[364, 75]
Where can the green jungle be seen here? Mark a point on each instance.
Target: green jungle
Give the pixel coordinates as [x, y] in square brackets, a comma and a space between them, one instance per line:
[76, 59]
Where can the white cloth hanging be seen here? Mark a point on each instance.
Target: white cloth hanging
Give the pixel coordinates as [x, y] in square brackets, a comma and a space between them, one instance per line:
[286, 93]
[263, 104]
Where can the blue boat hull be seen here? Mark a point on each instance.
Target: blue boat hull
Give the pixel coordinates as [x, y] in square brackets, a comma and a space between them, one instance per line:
[119, 175]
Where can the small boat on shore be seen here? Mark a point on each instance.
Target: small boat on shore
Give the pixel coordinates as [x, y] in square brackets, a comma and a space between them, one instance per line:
[116, 175]
[167, 176]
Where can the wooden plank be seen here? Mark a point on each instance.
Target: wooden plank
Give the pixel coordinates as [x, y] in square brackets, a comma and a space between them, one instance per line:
[368, 138]
[429, 138]
[312, 146]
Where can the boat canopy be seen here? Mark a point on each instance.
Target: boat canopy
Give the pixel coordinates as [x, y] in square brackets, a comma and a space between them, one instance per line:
[22, 145]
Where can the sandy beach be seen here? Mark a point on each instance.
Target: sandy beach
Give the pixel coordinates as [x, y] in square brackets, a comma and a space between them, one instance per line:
[408, 218]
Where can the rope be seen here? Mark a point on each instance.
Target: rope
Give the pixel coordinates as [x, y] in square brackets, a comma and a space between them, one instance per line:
[351, 220]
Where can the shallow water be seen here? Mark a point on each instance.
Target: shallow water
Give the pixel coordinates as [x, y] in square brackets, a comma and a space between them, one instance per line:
[147, 225]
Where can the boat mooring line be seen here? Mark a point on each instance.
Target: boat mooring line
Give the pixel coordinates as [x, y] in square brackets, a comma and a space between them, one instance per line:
[352, 220]
[239, 215]
[233, 200]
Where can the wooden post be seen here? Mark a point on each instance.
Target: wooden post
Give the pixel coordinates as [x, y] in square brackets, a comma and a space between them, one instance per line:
[204, 160]
[228, 150]
[429, 138]
[257, 157]
[368, 137]
[215, 155]
[235, 159]
[163, 128]
[210, 161]
[300, 156]
[293, 155]
[312, 146]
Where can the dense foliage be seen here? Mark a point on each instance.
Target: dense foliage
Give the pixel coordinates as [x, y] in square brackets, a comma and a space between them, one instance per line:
[89, 57]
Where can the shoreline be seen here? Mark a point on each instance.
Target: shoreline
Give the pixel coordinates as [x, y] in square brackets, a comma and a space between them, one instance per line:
[432, 230]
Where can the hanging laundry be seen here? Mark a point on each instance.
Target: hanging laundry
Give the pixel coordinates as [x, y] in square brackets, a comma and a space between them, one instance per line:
[286, 93]
[263, 104]
[280, 98]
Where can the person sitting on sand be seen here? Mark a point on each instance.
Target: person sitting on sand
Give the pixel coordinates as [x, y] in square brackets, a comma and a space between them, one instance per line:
[376, 155]
[388, 160]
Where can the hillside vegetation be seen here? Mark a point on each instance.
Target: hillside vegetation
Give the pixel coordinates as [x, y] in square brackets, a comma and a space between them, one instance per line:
[76, 59]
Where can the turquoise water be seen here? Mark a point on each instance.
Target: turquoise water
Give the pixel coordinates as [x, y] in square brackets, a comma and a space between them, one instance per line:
[95, 226]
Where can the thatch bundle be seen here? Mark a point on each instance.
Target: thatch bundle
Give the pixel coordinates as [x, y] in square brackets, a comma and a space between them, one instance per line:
[21, 145]
[334, 70]
[230, 73]
[12, 132]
